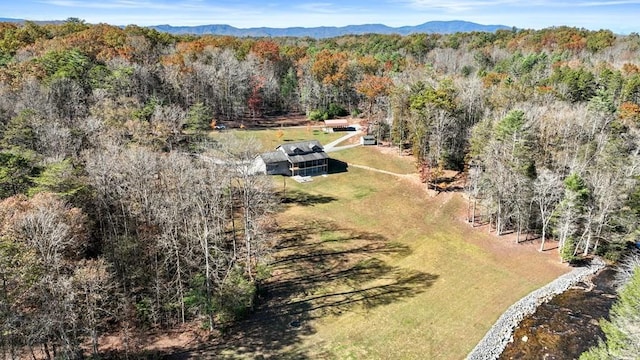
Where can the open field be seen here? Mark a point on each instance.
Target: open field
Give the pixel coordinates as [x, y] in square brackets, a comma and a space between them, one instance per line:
[369, 267]
[373, 157]
[269, 137]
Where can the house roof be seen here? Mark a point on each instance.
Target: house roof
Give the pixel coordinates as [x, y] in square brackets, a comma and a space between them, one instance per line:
[274, 157]
[336, 123]
[301, 148]
[308, 157]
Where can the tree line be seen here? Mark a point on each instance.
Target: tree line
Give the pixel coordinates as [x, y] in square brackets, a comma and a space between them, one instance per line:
[118, 212]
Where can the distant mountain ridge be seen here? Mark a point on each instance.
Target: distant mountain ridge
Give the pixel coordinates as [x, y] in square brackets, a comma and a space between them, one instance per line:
[440, 27]
[39, 22]
[431, 27]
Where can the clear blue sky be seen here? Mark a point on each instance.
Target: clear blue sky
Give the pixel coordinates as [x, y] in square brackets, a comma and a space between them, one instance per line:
[620, 16]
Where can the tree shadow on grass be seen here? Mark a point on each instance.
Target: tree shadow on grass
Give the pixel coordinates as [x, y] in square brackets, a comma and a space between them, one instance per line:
[318, 270]
[297, 197]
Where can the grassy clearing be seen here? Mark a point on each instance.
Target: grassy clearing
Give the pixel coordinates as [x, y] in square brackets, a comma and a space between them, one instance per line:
[269, 138]
[427, 293]
[368, 267]
[372, 157]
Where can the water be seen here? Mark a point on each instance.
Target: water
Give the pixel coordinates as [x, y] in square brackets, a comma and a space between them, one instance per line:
[566, 326]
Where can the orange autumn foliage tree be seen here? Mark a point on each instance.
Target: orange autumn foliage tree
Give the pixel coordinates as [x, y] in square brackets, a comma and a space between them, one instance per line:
[373, 87]
[331, 68]
[630, 113]
[266, 50]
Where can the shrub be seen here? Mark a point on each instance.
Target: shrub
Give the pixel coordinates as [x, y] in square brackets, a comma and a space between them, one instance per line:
[236, 297]
[613, 251]
[336, 110]
[333, 111]
[567, 250]
[317, 115]
[467, 70]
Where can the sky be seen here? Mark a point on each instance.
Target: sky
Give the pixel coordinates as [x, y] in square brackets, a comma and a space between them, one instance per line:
[620, 16]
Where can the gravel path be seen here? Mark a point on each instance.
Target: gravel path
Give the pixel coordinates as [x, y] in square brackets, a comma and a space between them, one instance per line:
[497, 338]
[376, 170]
[332, 145]
[339, 148]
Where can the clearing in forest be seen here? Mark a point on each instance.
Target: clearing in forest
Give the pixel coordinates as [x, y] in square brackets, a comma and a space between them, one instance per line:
[369, 266]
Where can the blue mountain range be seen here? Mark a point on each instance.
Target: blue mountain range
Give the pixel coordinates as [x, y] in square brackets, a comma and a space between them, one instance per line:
[440, 27]
[431, 27]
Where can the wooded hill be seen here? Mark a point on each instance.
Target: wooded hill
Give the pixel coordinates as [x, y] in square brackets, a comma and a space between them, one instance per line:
[439, 27]
[115, 202]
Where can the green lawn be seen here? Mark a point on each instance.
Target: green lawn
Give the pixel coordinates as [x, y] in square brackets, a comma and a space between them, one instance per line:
[368, 266]
[372, 157]
[270, 139]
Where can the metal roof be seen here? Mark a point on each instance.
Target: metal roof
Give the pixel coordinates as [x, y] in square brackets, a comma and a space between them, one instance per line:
[295, 153]
[308, 157]
[274, 157]
[302, 147]
[336, 123]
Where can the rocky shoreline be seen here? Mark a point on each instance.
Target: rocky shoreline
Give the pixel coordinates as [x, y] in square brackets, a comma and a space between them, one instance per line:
[497, 338]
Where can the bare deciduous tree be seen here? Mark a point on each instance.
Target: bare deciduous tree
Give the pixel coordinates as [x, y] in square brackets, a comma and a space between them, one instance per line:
[547, 191]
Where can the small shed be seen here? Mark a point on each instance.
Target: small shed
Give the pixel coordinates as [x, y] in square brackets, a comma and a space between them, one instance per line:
[368, 140]
[272, 163]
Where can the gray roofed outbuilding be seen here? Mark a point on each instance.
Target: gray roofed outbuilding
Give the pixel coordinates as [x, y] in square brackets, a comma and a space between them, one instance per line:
[368, 140]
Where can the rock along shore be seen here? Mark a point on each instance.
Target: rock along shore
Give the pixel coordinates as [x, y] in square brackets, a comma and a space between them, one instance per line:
[497, 338]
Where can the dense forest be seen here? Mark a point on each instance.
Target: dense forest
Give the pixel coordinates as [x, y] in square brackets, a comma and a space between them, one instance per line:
[118, 212]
